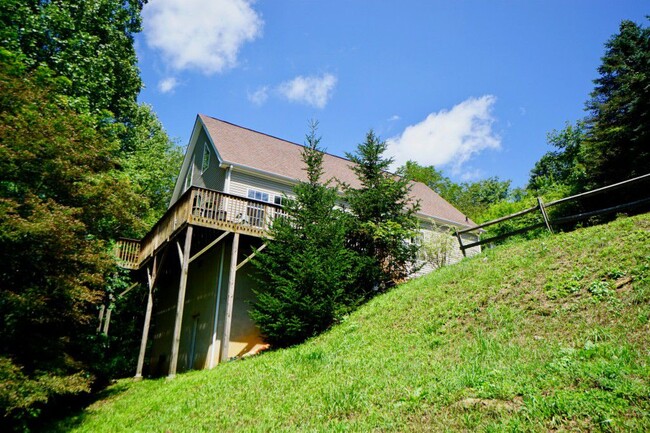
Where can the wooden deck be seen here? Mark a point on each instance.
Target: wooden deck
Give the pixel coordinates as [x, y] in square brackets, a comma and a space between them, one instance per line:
[205, 208]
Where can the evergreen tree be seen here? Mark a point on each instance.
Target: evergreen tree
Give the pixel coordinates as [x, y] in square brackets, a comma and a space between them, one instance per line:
[618, 134]
[385, 219]
[308, 270]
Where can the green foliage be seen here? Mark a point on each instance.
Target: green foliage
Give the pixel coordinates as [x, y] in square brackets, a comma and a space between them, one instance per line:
[88, 42]
[563, 167]
[308, 267]
[384, 218]
[80, 165]
[437, 248]
[151, 161]
[471, 198]
[61, 199]
[431, 177]
[618, 134]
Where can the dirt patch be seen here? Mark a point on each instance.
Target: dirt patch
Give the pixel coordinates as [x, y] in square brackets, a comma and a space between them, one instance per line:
[514, 405]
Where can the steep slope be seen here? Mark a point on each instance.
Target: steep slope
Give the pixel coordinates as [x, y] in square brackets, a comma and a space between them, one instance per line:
[550, 334]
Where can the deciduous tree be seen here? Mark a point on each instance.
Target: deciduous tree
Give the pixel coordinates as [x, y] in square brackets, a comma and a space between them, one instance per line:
[90, 42]
[62, 199]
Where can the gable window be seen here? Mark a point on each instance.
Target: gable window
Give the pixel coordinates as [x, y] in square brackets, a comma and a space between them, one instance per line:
[258, 195]
[205, 163]
[188, 177]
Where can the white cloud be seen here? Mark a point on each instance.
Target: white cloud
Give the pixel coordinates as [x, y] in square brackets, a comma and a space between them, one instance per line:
[313, 90]
[471, 175]
[259, 96]
[448, 136]
[168, 84]
[393, 118]
[204, 35]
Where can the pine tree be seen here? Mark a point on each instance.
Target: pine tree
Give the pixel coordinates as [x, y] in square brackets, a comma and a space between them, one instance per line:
[307, 267]
[385, 219]
[618, 135]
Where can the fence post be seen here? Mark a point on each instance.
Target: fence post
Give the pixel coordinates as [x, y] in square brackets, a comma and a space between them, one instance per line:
[544, 215]
[460, 242]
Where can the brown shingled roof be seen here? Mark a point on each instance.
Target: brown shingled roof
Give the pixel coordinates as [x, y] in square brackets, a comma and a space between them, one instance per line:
[261, 152]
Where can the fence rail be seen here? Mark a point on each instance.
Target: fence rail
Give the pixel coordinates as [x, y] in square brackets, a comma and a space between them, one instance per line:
[548, 223]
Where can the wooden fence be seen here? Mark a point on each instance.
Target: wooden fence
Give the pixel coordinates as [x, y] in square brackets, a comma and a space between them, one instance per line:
[542, 207]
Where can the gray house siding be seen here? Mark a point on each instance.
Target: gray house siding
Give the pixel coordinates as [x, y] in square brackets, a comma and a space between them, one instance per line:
[240, 183]
[213, 177]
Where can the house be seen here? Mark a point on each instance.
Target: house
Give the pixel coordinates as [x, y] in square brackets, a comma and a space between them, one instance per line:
[231, 186]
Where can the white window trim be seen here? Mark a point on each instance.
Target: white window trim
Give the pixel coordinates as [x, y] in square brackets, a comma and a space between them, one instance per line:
[189, 177]
[254, 191]
[206, 150]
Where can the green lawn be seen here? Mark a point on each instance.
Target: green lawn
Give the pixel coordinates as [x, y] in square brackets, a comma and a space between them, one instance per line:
[545, 335]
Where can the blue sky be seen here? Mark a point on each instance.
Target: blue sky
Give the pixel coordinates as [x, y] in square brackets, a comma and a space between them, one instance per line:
[472, 87]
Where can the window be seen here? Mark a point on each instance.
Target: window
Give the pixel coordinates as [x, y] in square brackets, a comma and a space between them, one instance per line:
[188, 177]
[205, 164]
[255, 211]
[278, 200]
[258, 195]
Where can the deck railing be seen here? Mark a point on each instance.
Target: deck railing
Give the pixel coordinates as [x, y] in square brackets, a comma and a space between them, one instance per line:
[206, 208]
[127, 252]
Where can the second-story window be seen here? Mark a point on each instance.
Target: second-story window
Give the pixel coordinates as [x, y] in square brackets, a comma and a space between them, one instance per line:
[205, 163]
[258, 195]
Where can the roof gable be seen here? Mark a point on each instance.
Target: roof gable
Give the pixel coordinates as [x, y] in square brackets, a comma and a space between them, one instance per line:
[254, 151]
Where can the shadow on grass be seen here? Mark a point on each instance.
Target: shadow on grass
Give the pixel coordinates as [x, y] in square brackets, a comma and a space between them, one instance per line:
[64, 415]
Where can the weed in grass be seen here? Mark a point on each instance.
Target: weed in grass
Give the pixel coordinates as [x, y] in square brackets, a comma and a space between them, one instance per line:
[614, 273]
[600, 289]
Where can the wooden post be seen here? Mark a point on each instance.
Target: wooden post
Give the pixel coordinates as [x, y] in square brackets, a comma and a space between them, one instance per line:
[225, 340]
[460, 242]
[544, 215]
[101, 318]
[176, 339]
[151, 278]
[213, 343]
[107, 320]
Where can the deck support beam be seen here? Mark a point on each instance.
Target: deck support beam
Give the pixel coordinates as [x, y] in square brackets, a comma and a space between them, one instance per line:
[176, 339]
[225, 340]
[151, 278]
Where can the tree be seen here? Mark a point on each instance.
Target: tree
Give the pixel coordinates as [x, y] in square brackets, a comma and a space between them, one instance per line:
[385, 219]
[618, 127]
[430, 176]
[309, 269]
[565, 166]
[437, 248]
[62, 198]
[90, 42]
[471, 198]
[151, 161]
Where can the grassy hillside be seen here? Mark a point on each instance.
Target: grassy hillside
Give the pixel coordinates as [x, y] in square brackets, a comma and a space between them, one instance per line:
[551, 334]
